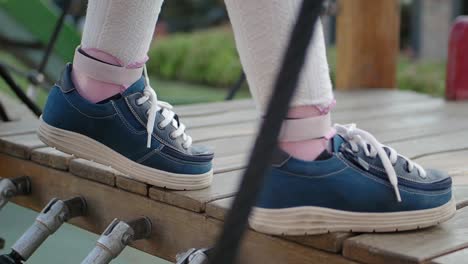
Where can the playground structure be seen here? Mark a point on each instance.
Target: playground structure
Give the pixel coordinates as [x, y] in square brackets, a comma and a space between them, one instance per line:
[186, 219]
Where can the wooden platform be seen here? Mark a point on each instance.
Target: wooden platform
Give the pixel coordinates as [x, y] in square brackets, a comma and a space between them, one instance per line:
[429, 130]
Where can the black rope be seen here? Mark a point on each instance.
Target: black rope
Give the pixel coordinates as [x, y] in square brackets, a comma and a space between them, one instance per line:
[54, 37]
[236, 87]
[227, 247]
[20, 44]
[5, 118]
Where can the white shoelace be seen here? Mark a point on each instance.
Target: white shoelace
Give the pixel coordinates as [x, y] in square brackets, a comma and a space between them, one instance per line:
[167, 113]
[356, 136]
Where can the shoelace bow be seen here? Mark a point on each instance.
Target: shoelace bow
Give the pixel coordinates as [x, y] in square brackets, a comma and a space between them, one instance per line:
[169, 116]
[372, 148]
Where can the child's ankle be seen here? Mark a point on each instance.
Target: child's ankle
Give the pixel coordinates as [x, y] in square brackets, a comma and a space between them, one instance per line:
[308, 149]
[96, 90]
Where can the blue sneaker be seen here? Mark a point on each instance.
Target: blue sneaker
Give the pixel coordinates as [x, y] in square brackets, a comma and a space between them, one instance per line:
[362, 186]
[114, 133]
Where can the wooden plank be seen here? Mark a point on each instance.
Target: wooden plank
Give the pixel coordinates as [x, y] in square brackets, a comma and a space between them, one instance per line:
[461, 195]
[18, 127]
[223, 131]
[456, 257]
[174, 229]
[357, 111]
[130, 185]
[218, 209]
[360, 99]
[230, 163]
[372, 99]
[20, 146]
[388, 111]
[420, 147]
[235, 145]
[410, 247]
[230, 146]
[203, 109]
[415, 131]
[93, 171]
[399, 127]
[15, 109]
[242, 115]
[332, 242]
[277, 251]
[453, 162]
[52, 158]
[392, 101]
[367, 56]
[366, 119]
[231, 154]
[223, 185]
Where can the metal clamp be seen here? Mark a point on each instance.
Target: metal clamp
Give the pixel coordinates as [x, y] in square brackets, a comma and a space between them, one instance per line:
[47, 222]
[13, 187]
[193, 256]
[116, 237]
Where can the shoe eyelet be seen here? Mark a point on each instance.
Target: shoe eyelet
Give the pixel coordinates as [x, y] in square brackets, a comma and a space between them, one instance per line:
[406, 168]
[160, 127]
[171, 137]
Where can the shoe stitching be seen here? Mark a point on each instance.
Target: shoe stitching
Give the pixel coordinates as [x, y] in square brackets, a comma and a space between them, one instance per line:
[147, 155]
[404, 188]
[398, 175]
[312, 177]
[74, 107]
[401, 176]
[182, 162]
[133, 130]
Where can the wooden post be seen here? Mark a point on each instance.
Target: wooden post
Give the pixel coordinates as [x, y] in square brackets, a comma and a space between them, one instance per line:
[367, 43]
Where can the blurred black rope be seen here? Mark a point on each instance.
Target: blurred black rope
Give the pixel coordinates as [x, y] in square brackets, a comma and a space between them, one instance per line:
[227, 247]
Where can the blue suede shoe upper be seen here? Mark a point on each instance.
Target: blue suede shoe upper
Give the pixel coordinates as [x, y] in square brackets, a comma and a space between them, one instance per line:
[344, 182]
[120, 124]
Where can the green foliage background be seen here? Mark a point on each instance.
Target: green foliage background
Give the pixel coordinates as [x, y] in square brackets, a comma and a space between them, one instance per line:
[209, 57]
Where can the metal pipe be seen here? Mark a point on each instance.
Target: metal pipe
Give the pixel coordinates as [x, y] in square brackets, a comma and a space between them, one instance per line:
[116, 237]
[13, 187]
[47, 222]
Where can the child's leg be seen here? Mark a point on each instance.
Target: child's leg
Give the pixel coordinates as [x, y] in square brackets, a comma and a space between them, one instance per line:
[359, 184]
[102, 108]
[262, 29]
[118, 32]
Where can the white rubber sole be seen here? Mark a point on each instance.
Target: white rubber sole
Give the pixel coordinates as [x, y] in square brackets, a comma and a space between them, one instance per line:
[84, 147]
[311, 220]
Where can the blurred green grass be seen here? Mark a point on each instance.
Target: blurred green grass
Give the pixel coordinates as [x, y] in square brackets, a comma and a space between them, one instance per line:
[209, 57]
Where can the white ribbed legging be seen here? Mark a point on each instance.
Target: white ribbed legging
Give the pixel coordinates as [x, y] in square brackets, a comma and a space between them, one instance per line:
[124, 28]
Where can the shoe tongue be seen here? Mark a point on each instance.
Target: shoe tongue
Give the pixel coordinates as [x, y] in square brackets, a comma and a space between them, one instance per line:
[337, 141]
[136, 87]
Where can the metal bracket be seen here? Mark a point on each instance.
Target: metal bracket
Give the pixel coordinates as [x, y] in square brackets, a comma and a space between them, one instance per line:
[54, 214]
[193, 256]
[13, 187]
[116, 237]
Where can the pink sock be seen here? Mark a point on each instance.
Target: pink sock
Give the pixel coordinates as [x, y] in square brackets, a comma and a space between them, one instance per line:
[94, 90]
[308, 149]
